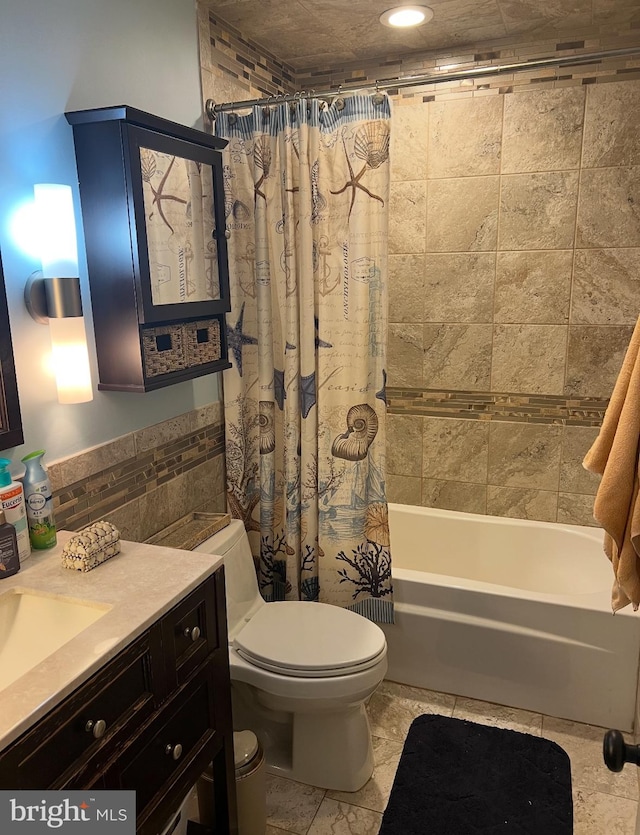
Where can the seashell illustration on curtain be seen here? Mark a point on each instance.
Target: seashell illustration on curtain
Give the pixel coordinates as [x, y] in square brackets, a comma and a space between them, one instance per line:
[307, 210]
[362, 427]
[371, 144]
[267, 427]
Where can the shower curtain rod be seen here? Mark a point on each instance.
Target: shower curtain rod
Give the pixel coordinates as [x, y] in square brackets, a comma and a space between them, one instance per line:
[213, 109]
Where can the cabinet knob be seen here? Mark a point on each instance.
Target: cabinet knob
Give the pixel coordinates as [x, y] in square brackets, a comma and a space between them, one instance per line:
[617, 752]
[98, 729]
[173, 751]
[193, 633]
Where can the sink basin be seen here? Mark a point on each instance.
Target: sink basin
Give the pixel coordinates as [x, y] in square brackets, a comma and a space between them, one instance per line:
[33, 625]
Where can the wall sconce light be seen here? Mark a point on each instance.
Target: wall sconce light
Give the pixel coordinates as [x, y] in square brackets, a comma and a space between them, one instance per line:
[53, 296]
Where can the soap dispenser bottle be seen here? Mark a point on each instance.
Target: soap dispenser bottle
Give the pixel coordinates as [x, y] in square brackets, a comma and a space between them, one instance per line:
[9, 559]
[39, 501]
[12, 502]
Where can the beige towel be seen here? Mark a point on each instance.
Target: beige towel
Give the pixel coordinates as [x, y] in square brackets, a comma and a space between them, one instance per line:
[614, 455]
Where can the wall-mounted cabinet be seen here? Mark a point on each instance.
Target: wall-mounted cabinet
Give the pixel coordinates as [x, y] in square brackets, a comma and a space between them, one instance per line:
[153, 214]
[10, 418]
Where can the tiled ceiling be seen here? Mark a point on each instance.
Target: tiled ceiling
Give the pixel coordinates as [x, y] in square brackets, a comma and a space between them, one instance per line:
[306, 33]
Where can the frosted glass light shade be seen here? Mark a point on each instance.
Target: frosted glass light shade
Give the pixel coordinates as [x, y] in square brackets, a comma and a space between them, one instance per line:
[70, 359]
[56, 230]
[406, 16]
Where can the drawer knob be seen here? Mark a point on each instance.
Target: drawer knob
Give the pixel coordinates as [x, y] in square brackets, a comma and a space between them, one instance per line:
[173, 751]
[194, 633]
[98, 729]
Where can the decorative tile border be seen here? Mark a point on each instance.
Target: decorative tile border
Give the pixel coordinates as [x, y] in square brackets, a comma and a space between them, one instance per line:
[248, 62]
[520, 408]
[256, 72]
[121, 471]
[486, 54]
[262, 73]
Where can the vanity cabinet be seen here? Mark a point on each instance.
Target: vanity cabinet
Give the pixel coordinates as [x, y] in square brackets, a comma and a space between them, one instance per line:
[151, 720]
[153, 213]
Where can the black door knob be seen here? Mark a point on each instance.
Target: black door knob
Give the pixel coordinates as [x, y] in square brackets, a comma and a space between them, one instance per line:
[616, 752]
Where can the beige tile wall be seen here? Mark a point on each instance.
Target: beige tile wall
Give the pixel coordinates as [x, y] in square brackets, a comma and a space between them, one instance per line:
[514, 270]
[144, 481]
[515, 248]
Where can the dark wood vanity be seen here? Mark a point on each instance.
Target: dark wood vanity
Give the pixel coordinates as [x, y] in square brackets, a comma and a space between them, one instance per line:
[150, 720]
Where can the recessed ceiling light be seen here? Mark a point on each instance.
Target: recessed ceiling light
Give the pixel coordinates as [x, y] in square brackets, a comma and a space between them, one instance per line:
[404, 16]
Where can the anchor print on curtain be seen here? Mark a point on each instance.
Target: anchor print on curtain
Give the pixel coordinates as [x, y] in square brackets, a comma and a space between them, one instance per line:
[307, 193]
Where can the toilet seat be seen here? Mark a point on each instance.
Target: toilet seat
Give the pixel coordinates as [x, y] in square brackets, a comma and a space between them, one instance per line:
[308, 640]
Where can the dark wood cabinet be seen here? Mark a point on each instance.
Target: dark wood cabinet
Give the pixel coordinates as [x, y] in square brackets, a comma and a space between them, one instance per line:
[10, 417]
[153, 213]
[151, 720]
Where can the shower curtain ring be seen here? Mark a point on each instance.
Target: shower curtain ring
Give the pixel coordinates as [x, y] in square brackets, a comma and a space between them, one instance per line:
[210, 108]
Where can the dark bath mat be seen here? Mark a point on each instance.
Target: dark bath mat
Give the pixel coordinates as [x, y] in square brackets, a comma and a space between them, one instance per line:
[460, 778]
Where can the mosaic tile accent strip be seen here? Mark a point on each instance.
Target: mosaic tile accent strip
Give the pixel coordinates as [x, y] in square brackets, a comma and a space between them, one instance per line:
[248, 62]
[485, 54]
[262, 73]
[91, 498]
[493, 406]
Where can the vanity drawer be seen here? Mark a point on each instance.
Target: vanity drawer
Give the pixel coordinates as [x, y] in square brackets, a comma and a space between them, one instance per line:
[69, 745]
[190, 632]
[181, 733]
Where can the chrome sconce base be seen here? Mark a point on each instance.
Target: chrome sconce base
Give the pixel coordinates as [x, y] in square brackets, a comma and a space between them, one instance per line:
[52, 298]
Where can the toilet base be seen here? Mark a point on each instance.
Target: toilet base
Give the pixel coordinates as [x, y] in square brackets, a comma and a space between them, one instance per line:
[330, 749]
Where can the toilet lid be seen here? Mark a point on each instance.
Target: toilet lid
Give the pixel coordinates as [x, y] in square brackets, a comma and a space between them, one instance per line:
[310, 639]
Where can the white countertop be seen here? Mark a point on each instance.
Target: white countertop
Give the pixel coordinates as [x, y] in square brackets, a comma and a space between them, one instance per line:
[140, 584]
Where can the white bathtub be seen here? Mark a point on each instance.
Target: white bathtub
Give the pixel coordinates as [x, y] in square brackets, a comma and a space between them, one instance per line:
[513, 612]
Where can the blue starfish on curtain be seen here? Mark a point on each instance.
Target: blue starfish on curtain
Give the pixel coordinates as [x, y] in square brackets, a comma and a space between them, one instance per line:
[382, 394]
[236, 340]
[308, 382]
[279, 391]
[320, 343]
[307, 393]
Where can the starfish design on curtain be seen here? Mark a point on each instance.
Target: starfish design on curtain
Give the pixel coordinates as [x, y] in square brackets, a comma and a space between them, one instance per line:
[320, 343]
[236, 340]
[382, 394]
[354, 183]
[279, 391]
[307, 393]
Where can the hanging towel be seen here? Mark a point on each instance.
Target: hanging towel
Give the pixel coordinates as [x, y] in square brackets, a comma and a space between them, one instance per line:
[614, 456]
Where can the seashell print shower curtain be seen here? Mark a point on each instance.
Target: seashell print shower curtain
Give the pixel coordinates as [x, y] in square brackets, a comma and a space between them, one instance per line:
[307, 194]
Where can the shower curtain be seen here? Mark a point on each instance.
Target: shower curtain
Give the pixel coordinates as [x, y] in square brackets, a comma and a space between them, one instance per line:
[307, 192]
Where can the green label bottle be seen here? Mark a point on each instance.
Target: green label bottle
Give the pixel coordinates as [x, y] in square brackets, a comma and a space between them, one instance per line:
[39, 502]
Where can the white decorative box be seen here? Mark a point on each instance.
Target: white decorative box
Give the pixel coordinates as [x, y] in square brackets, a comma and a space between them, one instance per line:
[91, 546]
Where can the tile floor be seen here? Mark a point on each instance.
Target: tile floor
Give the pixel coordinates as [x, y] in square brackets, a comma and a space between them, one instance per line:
[604, 803]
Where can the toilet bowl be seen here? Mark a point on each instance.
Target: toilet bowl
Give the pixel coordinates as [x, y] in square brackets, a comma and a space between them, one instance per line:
[300, 675]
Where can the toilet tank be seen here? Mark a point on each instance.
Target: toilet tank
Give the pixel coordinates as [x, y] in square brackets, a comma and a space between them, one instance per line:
[241, 584]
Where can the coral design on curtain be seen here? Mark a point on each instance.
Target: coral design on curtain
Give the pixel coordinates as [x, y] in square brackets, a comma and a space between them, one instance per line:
[307, 194]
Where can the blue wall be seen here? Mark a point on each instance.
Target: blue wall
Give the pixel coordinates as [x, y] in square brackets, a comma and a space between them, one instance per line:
[69, 55]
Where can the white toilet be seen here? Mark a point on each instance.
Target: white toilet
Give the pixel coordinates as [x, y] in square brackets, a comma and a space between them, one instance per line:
[300, 675]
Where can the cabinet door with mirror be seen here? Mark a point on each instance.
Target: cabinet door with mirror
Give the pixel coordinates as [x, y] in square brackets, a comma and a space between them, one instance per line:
[153, 212]
[178, 201]
[10, 418]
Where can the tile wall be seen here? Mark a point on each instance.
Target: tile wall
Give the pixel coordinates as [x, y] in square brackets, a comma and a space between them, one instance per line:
[144, 481]
[514, 261]
[234, 68]
[514, 289]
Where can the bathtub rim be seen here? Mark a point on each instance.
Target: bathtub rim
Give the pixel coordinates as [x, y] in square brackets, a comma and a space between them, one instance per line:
[599, 601]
